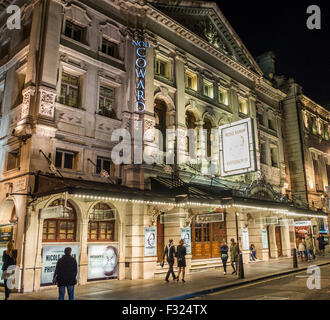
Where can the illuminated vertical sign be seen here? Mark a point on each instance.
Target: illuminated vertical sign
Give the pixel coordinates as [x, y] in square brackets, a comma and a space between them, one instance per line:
[140, 70]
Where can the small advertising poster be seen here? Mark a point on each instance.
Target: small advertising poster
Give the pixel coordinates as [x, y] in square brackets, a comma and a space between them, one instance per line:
[186, 236]
[245, 239]
[50, 256]
[150, 241]
[6, 232]
[2, 250]
[264, 238]
[102, 261]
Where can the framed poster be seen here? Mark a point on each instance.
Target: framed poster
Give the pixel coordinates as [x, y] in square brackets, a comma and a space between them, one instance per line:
[186, 236]
[264, 238]
[150, 241]
[6, 232]
[2, 250]
[102, 261]
[245, 239]
[237, 148]
[50, 256]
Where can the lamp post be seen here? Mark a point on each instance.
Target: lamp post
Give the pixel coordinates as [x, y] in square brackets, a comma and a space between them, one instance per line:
[240, 256]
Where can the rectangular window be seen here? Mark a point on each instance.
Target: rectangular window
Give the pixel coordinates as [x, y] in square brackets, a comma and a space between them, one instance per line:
[162, 68]
[110, 48]
[325, 131]
[242, 106]
[314, 125]
[106, 102]
[318, 176]
[274, 156]
[69, 90]
[223, 96]
[263, 154]
[74, 31]
[191, 80]
[260, 118]
[271, 124]
[103, 164]
[208, 89]
[65, 159]
[328, 173]
[13, 160]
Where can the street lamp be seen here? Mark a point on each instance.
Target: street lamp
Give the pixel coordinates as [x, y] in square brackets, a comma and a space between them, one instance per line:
[240, 256]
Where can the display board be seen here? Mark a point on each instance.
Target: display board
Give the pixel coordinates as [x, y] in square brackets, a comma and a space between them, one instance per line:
[6, 232]
[245, 239]
[264, 238]
[102, 261]
[150, 241]
[50, 255]
[186, 236]
[2, 250]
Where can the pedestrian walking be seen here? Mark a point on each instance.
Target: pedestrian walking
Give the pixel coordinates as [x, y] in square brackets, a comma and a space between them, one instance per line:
[234, 255]
[181, 252]
[9, 259]
[169, 253]
[321, 241]
[224, 256]
[309, 247]
[301, 250]
[65, 275]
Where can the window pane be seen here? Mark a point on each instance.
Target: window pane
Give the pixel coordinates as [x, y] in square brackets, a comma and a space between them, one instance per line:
[106, 165]
[68, 29]
[77, 34]
[58, 159]
[68, 161]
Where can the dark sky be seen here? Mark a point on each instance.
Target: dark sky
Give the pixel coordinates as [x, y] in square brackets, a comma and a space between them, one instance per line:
[280, 26]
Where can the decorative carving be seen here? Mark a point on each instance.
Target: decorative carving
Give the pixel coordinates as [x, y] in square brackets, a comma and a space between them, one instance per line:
[27, 93]
[47, 102]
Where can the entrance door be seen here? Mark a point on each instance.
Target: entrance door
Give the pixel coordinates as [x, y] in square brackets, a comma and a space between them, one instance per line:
[160, 240]
[206, 239]
[278, 240]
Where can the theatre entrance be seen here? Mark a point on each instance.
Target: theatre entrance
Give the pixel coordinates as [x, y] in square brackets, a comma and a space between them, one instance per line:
[206, 239]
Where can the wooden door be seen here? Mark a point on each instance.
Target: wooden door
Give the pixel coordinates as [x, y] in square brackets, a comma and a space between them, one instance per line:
[160, 240]
[278, 241]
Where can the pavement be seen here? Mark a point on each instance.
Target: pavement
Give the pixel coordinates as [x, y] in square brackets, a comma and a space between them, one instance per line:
[197, 284]
[296, 286]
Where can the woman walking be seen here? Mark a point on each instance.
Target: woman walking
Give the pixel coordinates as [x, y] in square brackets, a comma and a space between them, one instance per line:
[181, 252]
[9, 259]
[224, 256]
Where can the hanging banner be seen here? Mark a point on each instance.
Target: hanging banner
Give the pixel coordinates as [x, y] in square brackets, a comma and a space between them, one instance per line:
[2, 250]
[50, 256]
[245, 239]
[150, 241]
[264, 238]
[186, 236]
[6, 232]
[102, 261]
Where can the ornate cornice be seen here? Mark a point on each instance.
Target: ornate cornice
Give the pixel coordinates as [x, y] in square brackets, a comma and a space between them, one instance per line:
[268, 90]
[314, 107]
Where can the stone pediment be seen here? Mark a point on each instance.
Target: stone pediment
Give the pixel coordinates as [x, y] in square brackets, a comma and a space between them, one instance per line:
[209, 25]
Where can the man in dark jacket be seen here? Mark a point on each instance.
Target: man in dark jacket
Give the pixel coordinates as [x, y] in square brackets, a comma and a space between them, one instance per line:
[66, 274]
[169, 253]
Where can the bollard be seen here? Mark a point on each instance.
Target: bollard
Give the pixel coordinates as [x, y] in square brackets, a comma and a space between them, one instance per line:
[294, 257]
[240, 266]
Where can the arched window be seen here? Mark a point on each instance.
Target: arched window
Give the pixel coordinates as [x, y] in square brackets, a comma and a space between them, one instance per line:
[62, 229]
[190, 124]
[208, 126]
[101, 226]
[160, 116]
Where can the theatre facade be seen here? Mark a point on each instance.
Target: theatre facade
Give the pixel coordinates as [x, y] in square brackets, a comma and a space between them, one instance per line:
[96, 68]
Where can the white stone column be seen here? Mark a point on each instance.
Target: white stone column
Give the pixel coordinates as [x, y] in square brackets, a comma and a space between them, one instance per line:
[272, 242]
[83, 261]
[285, 237]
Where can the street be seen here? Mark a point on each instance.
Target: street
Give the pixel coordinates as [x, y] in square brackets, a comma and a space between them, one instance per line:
[288, 287]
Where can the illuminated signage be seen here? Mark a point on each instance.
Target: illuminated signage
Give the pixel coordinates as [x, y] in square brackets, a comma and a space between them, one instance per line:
[237, 148]
[6, 232]
[302, 223]
[50, 256]
[102, 261]
[2, 250]
[140, 70]
[210, 218]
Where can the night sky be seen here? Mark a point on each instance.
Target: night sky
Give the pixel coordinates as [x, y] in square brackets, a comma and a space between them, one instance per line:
[280, 26]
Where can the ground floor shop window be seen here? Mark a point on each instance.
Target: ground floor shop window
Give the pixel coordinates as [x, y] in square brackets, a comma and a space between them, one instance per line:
[101, 226]
[63, 229]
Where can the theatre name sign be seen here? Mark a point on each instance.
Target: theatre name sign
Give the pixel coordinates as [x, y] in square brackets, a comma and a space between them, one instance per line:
[140, 70]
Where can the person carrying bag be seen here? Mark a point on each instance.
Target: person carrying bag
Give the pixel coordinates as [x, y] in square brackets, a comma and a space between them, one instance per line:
[9, 259]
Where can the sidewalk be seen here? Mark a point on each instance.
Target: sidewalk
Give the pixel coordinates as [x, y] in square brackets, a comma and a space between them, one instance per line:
[158, 289]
